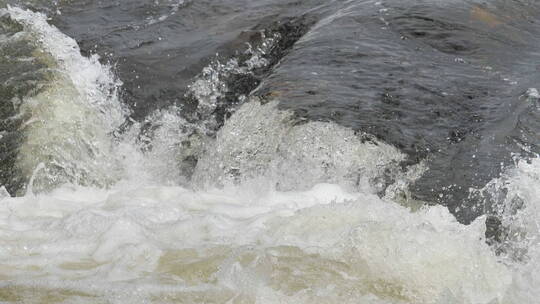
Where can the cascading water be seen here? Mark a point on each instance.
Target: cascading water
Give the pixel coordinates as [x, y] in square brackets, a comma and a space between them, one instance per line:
[275, 209]
[67, 119]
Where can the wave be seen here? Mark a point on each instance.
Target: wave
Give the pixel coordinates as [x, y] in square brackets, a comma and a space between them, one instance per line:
[67, 122]
[279, 209]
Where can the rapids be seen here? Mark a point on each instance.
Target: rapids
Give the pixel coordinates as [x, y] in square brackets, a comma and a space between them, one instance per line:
[270, 207]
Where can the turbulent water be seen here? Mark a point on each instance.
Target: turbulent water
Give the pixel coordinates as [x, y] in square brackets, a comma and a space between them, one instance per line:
[270, 151]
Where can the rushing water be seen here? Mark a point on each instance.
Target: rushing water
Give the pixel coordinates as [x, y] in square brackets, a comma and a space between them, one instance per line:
[269, 151]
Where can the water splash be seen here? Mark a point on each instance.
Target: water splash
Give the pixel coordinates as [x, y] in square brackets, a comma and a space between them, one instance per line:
[68, 122]
[286, 211]
[323, 244]
[261, 141]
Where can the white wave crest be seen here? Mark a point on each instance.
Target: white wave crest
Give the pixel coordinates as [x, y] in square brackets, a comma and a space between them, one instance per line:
[71, 119]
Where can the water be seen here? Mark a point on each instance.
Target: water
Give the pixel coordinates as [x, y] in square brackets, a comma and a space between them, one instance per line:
[332, 152]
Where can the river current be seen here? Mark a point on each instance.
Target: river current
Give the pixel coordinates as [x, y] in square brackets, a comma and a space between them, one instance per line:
[270, 151]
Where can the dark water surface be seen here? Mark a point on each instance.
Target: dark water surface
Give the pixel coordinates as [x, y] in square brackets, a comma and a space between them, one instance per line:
[444, 81]
[163, 171]
[441, 80]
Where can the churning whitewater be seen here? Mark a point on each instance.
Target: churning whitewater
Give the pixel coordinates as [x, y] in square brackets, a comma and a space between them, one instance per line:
[276, 209]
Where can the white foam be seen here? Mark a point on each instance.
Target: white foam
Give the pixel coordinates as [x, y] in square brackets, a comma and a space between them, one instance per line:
[519, 209]
[261, 141]
[270, 247]
[71, 118]
[320, 236]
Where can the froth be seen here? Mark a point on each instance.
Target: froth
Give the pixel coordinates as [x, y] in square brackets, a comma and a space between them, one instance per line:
[280, 210]
[71, 118]
[516, 197]
[322, 245]
[259, 140]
